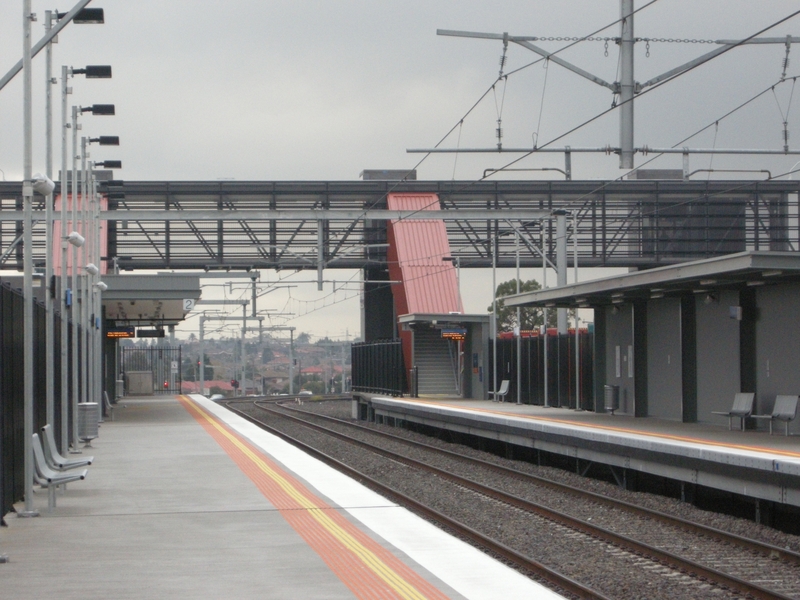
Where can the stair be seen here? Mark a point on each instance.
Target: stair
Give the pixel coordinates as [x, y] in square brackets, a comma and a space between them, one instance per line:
[435, 363]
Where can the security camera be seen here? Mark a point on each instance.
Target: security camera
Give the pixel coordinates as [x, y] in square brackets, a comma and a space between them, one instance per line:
[92, 269]
[100, 285]
[42, 185]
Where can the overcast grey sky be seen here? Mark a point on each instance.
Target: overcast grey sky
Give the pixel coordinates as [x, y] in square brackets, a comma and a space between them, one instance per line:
[313, 90]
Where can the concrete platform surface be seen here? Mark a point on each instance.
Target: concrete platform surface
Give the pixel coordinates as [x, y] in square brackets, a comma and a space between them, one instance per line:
[750, 463]
[187, 500]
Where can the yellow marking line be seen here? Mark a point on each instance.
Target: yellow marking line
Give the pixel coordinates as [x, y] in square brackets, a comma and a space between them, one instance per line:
[667, 436]
[400, 585]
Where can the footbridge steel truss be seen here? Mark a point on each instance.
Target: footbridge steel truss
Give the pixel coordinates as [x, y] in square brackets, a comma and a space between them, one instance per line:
[289, 225]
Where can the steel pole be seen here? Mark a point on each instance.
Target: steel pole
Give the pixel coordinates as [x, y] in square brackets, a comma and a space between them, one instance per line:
[74, 288]
[577, 320]
[291, 361]
[27, 196]
[577, 363]
[96, 299]
[458, 277]
[519, 328]
[561, 264]
[63, 190]
[544, 316]
[202, 358]
[494, 315]
[626, 86]
[84, 363]
[48, 276]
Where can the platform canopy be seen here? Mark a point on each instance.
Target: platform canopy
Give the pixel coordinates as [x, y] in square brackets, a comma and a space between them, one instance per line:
[160, 300]
[734, 271]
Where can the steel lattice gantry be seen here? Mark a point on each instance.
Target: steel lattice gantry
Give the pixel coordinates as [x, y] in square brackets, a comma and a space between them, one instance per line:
[287, 225]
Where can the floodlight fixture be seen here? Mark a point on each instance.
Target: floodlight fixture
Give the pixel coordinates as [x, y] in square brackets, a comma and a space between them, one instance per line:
[76, 239]
[42, 185]
[87, 16]
[109, 164]
[99, 109]
[94, 72]
[106, 140]
[92, 269]
[101, 285]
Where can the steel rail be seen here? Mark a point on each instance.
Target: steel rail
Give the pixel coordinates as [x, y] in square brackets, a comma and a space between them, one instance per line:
[656, 554]
[767, 550]
[508, 554]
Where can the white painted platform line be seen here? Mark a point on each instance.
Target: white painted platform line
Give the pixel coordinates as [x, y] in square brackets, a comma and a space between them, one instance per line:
[467, 570]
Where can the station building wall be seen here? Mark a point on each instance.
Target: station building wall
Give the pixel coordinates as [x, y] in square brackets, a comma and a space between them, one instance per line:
[620, 355]
[697, 354]
[718, 368]
[777, 344]
[664, 363]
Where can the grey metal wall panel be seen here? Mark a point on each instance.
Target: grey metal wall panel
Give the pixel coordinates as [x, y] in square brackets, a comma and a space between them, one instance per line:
[718, 376]
[664, 374]
[777, 345]
[619, 335]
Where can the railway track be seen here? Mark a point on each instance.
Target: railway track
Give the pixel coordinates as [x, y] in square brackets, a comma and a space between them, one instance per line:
[702, 561]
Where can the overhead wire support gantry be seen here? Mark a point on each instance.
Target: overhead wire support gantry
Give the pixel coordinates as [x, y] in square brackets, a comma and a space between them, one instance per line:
[627, 88]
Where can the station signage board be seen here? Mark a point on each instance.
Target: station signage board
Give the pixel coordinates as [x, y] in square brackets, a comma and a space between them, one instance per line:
[120, 332]
[150, 333]
[458, 334]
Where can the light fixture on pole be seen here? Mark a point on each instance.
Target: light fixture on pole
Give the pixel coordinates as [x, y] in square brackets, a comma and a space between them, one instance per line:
[106, 140]
[94, 72]
[91, 16]
[99, 109]
[109, 164]
[76, 239]
[42, 184]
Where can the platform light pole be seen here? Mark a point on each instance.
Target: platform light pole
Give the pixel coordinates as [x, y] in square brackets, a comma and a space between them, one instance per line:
[544, 319]
[27, 198]
[95, 109]
[48, 275]
[519, 327]
[494, 316]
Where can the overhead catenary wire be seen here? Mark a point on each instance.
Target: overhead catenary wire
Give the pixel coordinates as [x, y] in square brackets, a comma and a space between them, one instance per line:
[647, 91]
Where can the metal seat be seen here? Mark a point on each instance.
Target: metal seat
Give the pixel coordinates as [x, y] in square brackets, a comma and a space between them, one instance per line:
[47, 477]
[742, 408]
[54, 460]
[784, 409]
[500, 394]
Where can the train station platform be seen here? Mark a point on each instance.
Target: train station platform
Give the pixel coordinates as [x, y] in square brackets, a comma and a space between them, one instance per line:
[751, 463]
[187, 500]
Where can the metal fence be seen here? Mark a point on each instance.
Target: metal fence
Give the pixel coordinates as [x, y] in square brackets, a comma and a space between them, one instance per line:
[12, 389]
[561, 380]
[378, 367]
[162, 362]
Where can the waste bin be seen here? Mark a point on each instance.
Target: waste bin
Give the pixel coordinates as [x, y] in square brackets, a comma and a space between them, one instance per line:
[611, 397]
[88, 418]
[120, 388]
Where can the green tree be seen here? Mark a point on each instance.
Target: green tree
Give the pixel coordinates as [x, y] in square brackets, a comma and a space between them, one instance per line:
[530, 317]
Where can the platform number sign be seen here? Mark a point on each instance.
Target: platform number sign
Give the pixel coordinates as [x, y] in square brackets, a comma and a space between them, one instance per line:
[188, 304]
